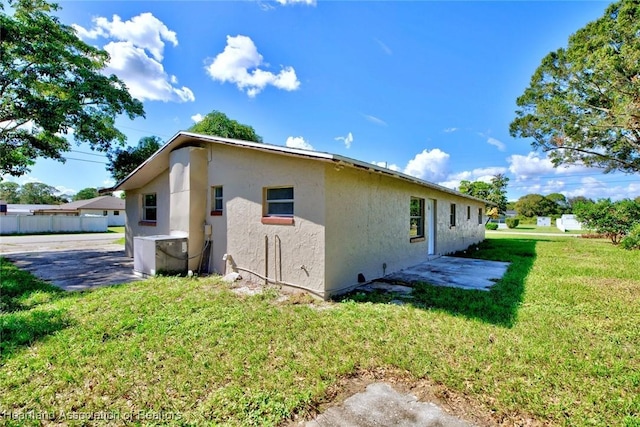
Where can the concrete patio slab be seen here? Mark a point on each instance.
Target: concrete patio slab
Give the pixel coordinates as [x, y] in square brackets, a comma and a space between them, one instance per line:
[381, 405]
[454, 272]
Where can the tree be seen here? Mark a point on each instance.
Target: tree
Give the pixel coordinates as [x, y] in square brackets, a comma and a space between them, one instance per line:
[479, 189]
[583, 103]
[533, 205]
[494, 193]
[10, 192]
[498, 192]
[613, 219]
[86, 194]
[123, 162]
[52, 85]
[218, 124]
[36, 193]
[560, 200]
[573, 201]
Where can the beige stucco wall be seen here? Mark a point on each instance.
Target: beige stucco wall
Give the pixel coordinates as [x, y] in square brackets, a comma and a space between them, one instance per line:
[346, 221]
[160, 186]
[188, 198]
[239, 232]
[367, 225]
[466, 232]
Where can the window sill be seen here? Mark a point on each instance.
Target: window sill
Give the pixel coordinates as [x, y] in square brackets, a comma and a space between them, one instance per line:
[216, 213]
[147, 223]
[277, 220]
[416, 239]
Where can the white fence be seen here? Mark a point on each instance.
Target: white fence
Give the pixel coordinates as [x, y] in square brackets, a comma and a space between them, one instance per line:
[568, 222]
[31, 224]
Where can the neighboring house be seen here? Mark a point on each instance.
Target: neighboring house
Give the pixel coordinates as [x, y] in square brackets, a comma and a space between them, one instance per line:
[319, 221]
[111, 207]
[18, 209]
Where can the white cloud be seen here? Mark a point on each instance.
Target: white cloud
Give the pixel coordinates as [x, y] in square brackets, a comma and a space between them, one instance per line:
[144, 31]
[298, 142]
[449, 130]
[529, 166]
[543, 187]
[374, 119]
[197, 117]
[595, 189]
[346, 139]
[238, 64]
[496, 143]
[533, 166]
[27, 179]
[429, 165]
[392, 166]
[293, 2]
[136, 49]
[386, 49]
[64, 191]
[478, 174]
[144, 76]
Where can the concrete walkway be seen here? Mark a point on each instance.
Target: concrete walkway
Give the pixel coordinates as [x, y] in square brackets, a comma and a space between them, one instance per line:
[55, 242]
[524, 233]
[73, 262]
[454, 272]
[78, 270]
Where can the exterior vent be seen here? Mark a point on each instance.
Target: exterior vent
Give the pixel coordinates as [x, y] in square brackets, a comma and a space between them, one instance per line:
[166, 255]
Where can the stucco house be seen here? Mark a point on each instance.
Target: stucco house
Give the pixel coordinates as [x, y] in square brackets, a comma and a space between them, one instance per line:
[315, 220]
[111, 207]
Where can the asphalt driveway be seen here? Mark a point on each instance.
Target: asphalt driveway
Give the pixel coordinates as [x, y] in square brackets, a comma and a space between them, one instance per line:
[72, 262]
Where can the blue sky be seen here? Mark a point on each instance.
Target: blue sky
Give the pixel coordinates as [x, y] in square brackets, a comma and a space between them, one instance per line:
[427, 88]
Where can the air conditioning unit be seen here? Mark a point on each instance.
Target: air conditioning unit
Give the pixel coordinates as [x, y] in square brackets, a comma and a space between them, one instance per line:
[154, 255]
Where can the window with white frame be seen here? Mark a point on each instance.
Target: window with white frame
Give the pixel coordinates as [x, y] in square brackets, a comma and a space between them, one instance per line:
[216, 200]
[468, 212]
[149, 207]
[416, 218]
[116, 213]
[278, 201]
[480, 219]
[452, 215]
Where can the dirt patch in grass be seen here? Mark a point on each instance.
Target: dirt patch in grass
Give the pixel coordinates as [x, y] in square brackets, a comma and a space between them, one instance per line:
[424, 390]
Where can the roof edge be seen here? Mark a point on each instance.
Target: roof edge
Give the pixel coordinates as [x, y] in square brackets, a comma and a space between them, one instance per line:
[336, 158]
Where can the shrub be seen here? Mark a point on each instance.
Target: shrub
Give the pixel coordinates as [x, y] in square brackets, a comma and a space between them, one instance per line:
[527, 220]
[512, 222]
[632, 240]
[615, 219]
[491, 226]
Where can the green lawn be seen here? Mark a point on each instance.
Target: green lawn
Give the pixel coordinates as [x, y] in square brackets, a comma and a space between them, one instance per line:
[556, 341]
[116, 229]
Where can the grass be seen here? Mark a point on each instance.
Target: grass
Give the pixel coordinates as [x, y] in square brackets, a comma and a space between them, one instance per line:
[556, 341]
[120, 241]
[532, 228]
